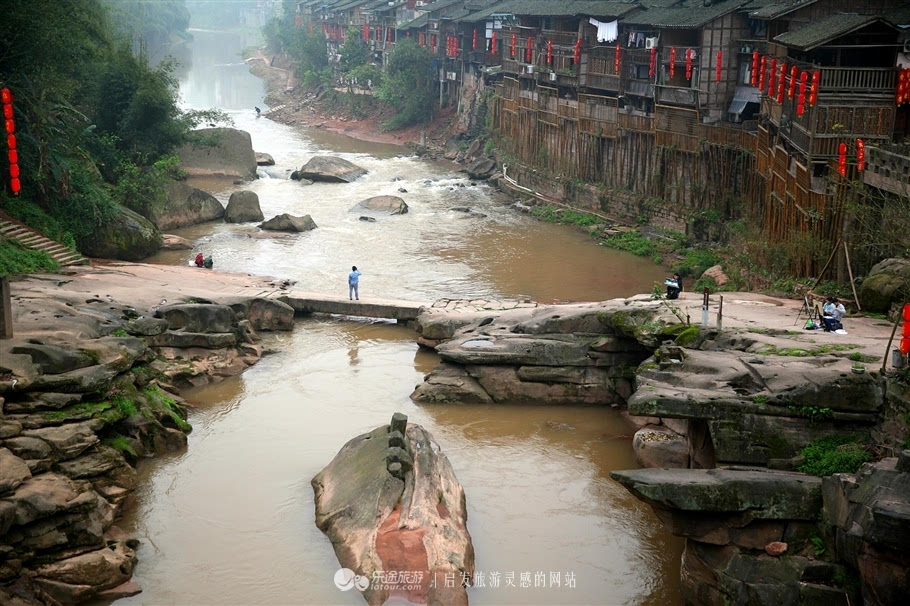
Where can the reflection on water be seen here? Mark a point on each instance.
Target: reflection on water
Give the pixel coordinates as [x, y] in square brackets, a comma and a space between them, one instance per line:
[231, 520]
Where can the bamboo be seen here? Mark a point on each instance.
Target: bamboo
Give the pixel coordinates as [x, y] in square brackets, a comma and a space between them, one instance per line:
[852, 283]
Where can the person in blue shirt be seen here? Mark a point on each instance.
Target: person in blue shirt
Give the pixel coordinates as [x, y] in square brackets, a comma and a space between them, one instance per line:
[353, 284]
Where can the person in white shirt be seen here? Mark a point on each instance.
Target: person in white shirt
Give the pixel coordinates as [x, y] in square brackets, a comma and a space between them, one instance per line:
[833, 311]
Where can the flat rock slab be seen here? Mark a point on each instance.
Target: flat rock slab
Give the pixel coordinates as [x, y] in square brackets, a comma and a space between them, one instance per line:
[330, 169]
[764, 494]
[388, 205]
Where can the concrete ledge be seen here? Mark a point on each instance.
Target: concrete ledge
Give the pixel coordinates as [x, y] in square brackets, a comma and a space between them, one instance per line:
[305, 303]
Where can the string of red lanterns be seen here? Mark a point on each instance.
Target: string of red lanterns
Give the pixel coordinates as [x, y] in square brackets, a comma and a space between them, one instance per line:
[617, 59]
[549, 52]
[514, 45]
[842, 159]
[792, 89]
[576, 56]
[493, 43]
[672, 61]
[905, 331]
[903, 87]
[688, 64]
[528, 50]
[652, 62]
[761, 74]
[474, 40]
[755, 68]
[780, 82]
[813, 89]
[860, 155]
[772, 77]
[9, 123]
[719, 66]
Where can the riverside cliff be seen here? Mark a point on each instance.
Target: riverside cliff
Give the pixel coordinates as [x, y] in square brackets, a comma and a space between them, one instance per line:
[729, 418]
[88, 387]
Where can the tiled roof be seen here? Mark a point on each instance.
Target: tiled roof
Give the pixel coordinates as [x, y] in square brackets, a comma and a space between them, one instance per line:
[777, 8]
[594, 8]
[899, 16]
[825, 29]
[419, 22]
[686, 14]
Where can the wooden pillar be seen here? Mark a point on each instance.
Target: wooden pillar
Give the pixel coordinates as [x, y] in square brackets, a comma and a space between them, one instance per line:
[6, 309]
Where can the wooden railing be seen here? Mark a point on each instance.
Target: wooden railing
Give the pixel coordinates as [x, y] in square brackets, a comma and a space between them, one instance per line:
[859, 80]
[677, 95]
[636, 122]
[560, 38]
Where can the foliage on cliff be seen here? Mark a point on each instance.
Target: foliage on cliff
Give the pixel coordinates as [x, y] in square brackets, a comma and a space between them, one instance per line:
[88, 112]
[16, 259]
[408, 85]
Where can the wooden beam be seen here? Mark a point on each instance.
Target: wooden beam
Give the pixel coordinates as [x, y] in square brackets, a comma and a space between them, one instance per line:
[6, 309]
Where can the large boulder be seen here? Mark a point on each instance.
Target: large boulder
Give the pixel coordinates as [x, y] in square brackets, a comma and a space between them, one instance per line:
[888, 283]
[172, 242]
[390, 502]
[127, 236]
[482, 168]
[243, 206]
[390, 205]
[716, 273]
[186, 205]
[264, 159]
[219, 152]
[330, 169]
[286, 222]
[199, 318]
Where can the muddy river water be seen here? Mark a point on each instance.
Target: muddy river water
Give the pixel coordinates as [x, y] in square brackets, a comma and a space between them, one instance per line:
[231, 520]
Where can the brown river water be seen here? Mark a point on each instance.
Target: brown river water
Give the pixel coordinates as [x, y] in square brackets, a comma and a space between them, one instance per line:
[231, 520]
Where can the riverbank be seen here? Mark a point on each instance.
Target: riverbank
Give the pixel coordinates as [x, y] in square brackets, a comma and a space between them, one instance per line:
[89, 385]
[291, 104]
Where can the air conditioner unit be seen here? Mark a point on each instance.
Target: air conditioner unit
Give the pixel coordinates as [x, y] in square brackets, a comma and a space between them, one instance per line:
[451, 76]
[651, 42]
[529, 69]
[552, 76]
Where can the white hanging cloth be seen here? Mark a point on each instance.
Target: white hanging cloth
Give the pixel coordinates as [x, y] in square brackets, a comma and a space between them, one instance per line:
[606, 32]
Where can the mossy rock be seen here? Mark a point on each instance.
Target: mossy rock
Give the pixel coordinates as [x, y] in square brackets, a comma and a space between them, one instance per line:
[888, 283]
[127, 236]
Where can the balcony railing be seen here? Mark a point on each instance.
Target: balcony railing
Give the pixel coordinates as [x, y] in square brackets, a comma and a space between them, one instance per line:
[859, 80]
[677, 95]
[888, 170]
[560, 38]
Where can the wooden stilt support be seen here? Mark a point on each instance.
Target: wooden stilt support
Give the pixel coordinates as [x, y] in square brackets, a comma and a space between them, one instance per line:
[6, 310]
[850, 273]
[827, 263]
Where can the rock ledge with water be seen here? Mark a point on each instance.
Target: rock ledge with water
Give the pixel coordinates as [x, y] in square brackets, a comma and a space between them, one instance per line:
[330, 169]
[390, 503]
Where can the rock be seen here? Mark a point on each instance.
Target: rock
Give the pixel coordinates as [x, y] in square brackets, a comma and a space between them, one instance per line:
[219, 152]
[243, 206]
[100, 461]
[330, 169]
[182, 339]
[402, 190]
[660, 447]
[474, 148]
[36, 453]
[389, 501]
[172, 242]
[763, 494]
[888, 283]
[452, 148]
[391, 205]
[286, 222]
[481, 168]
[126, 235]
[45, 495]
[53, 360]
[450, 383]
[186, 205]
[101, 569]
[124, 590]
[267, 314]
[13, 471]
[368, 219]
[146, 326]
[716, 273]
[461, 209]
[264, 159]
[776, 548]
[66, 441]
[201, 317]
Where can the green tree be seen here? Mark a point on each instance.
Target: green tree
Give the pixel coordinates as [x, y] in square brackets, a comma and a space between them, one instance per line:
[353, 51]
[408, 85]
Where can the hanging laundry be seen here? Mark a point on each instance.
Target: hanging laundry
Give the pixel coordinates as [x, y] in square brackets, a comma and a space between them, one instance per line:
[606, 32]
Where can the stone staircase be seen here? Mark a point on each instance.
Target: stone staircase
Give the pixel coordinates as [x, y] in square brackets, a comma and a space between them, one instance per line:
[31, 239]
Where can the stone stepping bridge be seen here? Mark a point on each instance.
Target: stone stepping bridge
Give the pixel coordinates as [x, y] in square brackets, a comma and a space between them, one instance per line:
[30, 238]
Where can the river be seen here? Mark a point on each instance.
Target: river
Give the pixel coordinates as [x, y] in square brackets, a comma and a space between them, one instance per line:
[231, 520]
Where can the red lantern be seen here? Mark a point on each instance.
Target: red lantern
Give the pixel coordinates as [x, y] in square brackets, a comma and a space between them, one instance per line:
[652, 62]
[474, 40]
[514, 45]
[755, 68]
[761, 74]
[801, 104]
[813, 90]
[493, 43]
[792, 88]
[905, 329]
[860, 155]
[780, 83]
[13, 156]
[549, 52]
[6, 96]
[577, 55]
[388, 35]
[616, 59]
[14, 171]
[772, 74]
[842, 159]
[672, 61]
[16, 186]
[365, 33]
[421, 40]
[10, 126]
[688, 64]
[8, 112]
[905, 345]
[11, 141]
[719, 66]
[528, 50]
[907, 312]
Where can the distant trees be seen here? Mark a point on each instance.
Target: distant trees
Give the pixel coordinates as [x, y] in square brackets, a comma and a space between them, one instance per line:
[151, 27]
[408, 85]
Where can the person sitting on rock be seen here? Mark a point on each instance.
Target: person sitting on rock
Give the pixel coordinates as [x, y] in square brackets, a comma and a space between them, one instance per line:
[674, 286]
[354, 284]
[200, 260]
[833, 311]
[209, 262]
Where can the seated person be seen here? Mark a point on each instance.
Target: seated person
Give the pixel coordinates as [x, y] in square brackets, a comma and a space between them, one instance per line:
[674, 286]
[208, 263]
[832, 312]
[199, 260]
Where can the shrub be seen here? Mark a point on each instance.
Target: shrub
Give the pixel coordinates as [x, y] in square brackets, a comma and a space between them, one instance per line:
[696, 261]
[488, 148]
[633, 242]
[32, 215]
[834, 454]
[16, 259]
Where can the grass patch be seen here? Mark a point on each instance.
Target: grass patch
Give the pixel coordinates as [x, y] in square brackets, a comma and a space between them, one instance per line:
[120, 332]
[167, 405]
[834, 454]
[17, 259]
[813, 413]
[563, 216]
[121, 444]
[633, 242]
[125, 405]
[800, 352]
[759, 399]
[687, 337]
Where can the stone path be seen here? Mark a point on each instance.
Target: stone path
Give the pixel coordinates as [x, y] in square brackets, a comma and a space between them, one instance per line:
[29, 238]
[482, 305]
